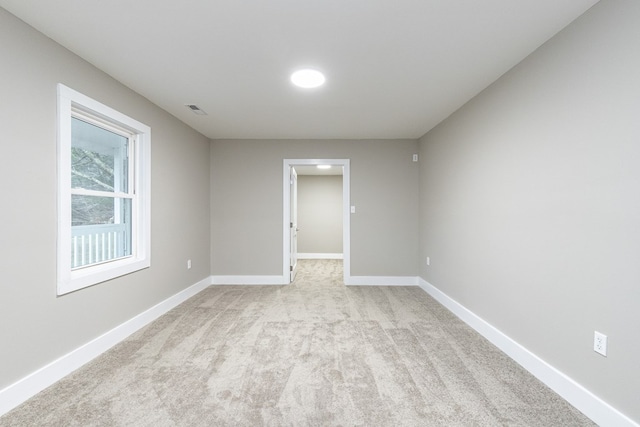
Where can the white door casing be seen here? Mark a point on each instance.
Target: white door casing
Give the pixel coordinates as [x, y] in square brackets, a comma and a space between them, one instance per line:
[288, 164]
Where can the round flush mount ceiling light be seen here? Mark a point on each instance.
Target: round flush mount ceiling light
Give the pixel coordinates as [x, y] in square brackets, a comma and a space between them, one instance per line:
[307, 78]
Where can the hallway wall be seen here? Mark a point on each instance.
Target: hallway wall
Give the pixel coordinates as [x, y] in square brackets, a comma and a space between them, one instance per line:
[320, 214]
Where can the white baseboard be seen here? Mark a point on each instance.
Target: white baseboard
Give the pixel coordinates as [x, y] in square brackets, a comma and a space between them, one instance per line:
[29, 386]
[349, 281]
[320, 256]
[381, 281]
[585, 401]
[249, 280]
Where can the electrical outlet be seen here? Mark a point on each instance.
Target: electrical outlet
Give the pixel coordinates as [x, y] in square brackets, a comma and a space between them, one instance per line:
[600, 343]
[188, 264]
[428, 261]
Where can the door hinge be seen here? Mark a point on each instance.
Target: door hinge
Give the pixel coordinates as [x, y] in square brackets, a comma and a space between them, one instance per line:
[291, 268]
[290, 225]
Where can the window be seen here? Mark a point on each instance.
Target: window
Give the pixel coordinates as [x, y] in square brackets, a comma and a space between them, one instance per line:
[103, 192]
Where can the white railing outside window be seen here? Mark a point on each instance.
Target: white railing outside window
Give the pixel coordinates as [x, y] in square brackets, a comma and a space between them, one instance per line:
[93, 244]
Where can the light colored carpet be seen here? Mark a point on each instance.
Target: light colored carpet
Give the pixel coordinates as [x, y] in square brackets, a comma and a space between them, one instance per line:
[315, 353]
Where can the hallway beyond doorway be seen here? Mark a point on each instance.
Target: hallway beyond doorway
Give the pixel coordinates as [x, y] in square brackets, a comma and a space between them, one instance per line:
[319, 273]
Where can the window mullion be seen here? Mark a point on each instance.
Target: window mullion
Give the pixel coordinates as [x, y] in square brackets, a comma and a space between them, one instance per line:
[97, 193]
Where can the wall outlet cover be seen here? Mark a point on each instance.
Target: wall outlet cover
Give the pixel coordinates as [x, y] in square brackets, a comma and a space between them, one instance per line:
[600, 343]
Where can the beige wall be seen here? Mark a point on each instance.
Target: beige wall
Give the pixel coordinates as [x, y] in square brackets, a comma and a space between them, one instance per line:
[36, 327]
[320, 214]
[530, 202]
[246, 209]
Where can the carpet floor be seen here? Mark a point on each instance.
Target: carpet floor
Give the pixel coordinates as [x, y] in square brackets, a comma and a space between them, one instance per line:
[314, 353]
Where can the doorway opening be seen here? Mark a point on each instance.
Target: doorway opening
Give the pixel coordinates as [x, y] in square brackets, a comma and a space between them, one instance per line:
[290, 223]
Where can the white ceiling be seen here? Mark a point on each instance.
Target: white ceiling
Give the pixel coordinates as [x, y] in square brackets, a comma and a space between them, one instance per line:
[394, 68]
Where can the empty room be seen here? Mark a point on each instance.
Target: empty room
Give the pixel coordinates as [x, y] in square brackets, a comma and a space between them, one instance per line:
[305, 213]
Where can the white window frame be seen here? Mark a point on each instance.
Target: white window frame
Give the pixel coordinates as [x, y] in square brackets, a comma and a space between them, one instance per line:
[74, 104]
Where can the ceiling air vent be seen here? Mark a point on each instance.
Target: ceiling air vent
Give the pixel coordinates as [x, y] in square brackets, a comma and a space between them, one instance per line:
[196, 109]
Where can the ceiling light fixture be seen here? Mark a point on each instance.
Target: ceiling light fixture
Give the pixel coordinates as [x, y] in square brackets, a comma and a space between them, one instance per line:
[324, 166]
[307, 78]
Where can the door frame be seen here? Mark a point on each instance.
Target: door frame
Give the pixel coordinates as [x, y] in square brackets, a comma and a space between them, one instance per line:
[286, 212]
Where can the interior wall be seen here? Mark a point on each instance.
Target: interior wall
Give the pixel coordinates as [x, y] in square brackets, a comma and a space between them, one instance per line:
[36, 326]
[320, 214]
[246, 210]
[530, 202]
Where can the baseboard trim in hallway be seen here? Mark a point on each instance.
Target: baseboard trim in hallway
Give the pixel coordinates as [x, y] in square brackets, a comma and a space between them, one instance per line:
[32, 384]
[586, 402]
[349, 281]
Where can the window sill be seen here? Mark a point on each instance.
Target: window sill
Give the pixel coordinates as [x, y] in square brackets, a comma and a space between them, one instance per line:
[93, 275]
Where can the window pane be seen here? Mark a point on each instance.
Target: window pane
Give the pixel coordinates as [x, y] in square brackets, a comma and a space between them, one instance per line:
[99, 158]
[101, 229]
